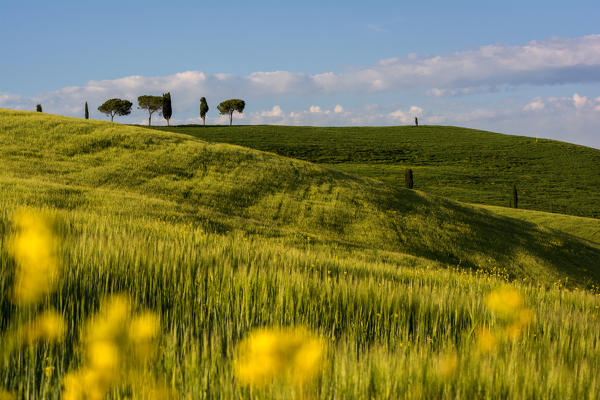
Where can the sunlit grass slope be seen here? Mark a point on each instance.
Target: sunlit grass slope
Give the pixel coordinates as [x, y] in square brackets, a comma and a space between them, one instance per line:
[239, 188]
[582, 227]
[462, 164]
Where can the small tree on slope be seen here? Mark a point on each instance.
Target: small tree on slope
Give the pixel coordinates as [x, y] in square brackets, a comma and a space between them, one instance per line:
[231, 105]
[150, 103]
[114, 107]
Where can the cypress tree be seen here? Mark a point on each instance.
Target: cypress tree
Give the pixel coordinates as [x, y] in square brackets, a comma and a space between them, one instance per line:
[167, 111]
[408, 178]
[38, 108]
[416, 121]
[203, 110]
[87, 112]
[515, 197]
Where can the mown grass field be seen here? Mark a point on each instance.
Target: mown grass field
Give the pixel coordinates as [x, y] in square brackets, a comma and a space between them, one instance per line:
[220, 240]
[458, 163]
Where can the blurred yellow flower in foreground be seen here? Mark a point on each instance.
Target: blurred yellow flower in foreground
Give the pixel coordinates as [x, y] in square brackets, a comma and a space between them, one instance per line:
[118, 344]
[507, 304]
[505, 301]
[447, 365]
[49, 325]
[486, 341]
[287, 355]
[4, 395]
[34, 248]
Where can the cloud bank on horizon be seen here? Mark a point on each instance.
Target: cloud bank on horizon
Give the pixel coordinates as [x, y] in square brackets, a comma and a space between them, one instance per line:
[443, 83]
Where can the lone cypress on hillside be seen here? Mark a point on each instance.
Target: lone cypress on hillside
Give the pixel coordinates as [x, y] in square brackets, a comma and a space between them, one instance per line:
[203, 110]
[408, 178]
[87, 112]
[167, 111]
[38, 108]
[515, 197]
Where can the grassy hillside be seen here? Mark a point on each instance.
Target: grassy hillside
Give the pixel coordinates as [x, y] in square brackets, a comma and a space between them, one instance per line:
[585, 228]
[462, 164]
[218, 240]
[239, 188]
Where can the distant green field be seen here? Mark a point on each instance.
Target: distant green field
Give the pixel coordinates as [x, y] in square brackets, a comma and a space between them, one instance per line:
[458, 163]
[219, 240]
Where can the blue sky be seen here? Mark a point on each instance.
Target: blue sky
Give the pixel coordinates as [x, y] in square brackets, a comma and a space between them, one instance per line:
[530, 69]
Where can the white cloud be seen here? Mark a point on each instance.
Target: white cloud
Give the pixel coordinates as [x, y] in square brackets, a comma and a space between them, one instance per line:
[579, 101]
[535, 105]
[7, 98]
[415, 111]
[274, 112]
[315, 109]
[338, 109]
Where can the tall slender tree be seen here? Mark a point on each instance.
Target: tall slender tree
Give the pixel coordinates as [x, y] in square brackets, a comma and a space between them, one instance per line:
[114, 107]
[203, 110]
[87, 112]
[231, 105]
[515, 197]
[408, 178]
[38, 108]
[167, 110]
[150, 103]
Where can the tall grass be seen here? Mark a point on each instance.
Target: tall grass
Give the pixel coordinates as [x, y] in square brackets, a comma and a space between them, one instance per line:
[389, 327]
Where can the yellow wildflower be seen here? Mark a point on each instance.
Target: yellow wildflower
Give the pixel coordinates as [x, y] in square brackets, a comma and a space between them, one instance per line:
[447, 365]
[4, 395]
[34, 248]
[48, 371]
[486, 341]
[48, 326]
[144, 327]
[103, 356]
[288, 355]
[112, 322]
[505, 301]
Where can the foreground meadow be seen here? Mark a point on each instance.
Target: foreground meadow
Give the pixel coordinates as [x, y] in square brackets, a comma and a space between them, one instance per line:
[388, 331]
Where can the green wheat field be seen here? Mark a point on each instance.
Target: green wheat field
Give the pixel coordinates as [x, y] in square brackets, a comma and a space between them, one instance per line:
[183, 265]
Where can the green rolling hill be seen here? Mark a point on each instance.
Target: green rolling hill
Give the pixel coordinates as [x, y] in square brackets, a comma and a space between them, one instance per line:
[74, 163]
[462, 164]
